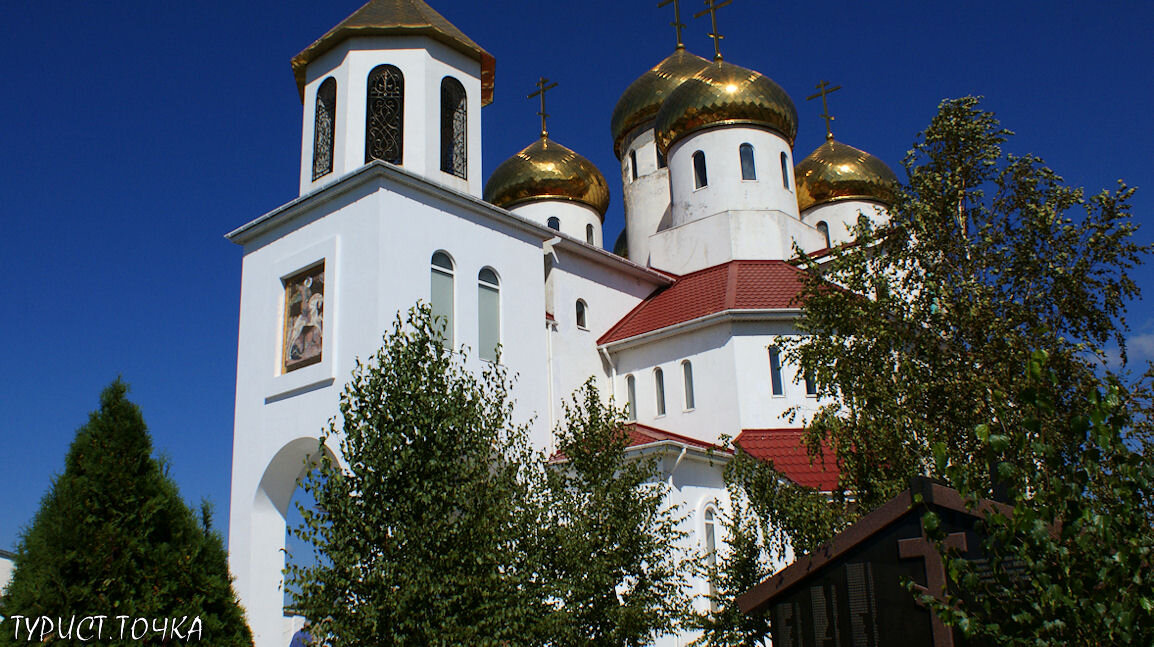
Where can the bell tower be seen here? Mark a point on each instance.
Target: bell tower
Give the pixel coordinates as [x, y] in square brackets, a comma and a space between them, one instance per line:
[396, 82]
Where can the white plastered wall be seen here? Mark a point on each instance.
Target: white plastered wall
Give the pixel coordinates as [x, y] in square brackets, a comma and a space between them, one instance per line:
[646, 197]
[573, 217]
[376, 240]
[424, 63]
[841, 217]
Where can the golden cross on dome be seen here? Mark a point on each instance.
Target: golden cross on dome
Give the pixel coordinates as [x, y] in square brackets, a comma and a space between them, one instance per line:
[825, 90]
[711, 7]
[542, 85]
[677, 24]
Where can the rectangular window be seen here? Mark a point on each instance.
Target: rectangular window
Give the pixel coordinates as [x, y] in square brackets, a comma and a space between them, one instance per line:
[810, 384]
[489, 318]
[775, 370]
[304, 300]
[441, 298]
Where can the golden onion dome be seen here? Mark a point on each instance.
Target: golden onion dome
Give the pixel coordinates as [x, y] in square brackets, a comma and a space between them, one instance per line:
[546, 170]
[725, 94]
[641, 100]
[837, 171]
[621, 247]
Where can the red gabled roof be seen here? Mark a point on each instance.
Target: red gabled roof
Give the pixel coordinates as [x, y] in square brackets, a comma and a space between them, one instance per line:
[640, 434]
[786, 448]
[736, 285]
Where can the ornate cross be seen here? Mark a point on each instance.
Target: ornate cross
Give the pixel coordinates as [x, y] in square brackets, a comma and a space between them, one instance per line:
[711, 7]
[677, 24]
[542, 85]
[825, 90]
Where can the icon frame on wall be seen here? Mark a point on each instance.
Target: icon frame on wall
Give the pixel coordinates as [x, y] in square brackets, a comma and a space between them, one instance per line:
[303, 334]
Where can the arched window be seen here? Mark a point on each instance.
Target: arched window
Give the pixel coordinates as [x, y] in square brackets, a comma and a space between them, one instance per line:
[700, 179]
[823, 229]
[660, 159]
[631, 393]
[659, 388]
[385, 115]
[748, 171]
[453, 122]
[810, 384]
[709, 529]
[589, 234]
[554, 223]
[633, 164]
[581, 316]
[324, 128]
[488, 314]
[441, 295]
[785, 170]
[775, 370]
[687, 378]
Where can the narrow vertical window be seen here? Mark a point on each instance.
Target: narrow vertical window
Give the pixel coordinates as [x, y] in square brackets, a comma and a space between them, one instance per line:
[810, 384]
[775, 370]
[385, 115]
[823, 229]
[488, 314]
[661, 159]
[785, 170]
[748, 171]
[633, 164]
[659, 388]
[631, 393]
[700, 179]
[581, 314]
[709, 525]
[589, 234]
[554, 223]
[324, 128]
[441, 295]
[453, 122]
[687, 377]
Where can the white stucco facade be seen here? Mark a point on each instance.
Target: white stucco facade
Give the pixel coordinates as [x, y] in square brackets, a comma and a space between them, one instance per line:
[565, 309]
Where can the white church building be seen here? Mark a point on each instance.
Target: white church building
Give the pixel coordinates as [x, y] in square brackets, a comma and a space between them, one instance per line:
[682, 320]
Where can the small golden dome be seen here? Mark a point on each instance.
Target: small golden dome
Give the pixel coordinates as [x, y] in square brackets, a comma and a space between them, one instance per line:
[641, 100]
[621, 247]
[837, 171]
[725, 94]
[546, 170]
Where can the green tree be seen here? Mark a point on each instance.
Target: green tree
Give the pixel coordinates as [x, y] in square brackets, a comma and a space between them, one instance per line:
[1071, 563]
[424, 529]
[113, 537]
[609, 537]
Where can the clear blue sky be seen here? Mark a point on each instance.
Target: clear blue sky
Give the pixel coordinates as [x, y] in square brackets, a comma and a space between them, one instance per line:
[138, 132]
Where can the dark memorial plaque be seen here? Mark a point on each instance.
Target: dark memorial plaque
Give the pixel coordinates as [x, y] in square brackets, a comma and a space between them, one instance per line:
[851, 592]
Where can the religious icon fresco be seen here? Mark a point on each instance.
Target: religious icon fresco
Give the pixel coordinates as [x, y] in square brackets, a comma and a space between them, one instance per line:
[303, 317]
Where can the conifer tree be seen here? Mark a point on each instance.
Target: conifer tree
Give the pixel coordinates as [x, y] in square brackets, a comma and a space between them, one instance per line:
[113, 537]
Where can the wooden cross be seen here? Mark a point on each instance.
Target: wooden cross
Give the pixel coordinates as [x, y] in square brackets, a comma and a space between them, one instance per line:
[711, 7]
[677, 24]
[935, 576]
[542, 85]
[824, 91]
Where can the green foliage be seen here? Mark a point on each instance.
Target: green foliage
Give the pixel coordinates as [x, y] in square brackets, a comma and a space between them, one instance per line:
[736, 569]
[113, 537]
[609, 539]
[424, 527]
[1073, 561]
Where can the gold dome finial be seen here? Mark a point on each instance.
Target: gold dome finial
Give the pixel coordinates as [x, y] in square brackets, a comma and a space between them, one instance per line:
[542, 86]
[823, 91]
[676, 24]
[711, 7]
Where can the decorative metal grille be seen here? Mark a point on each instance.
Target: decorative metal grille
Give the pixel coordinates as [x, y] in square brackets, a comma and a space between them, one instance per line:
[385, 115]
[453, 122]
[324, 128]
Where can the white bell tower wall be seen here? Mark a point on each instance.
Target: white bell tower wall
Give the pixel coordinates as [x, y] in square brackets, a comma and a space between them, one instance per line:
[646, 195]
[424, 63]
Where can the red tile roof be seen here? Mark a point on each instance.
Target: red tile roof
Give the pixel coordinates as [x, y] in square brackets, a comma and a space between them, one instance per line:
[786, 448]
[736, 285]
[640, 434]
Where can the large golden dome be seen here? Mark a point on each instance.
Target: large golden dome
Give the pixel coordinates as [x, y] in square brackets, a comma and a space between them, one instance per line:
[725, 94]
[837, 171]
[546, 170]
[641, 100]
